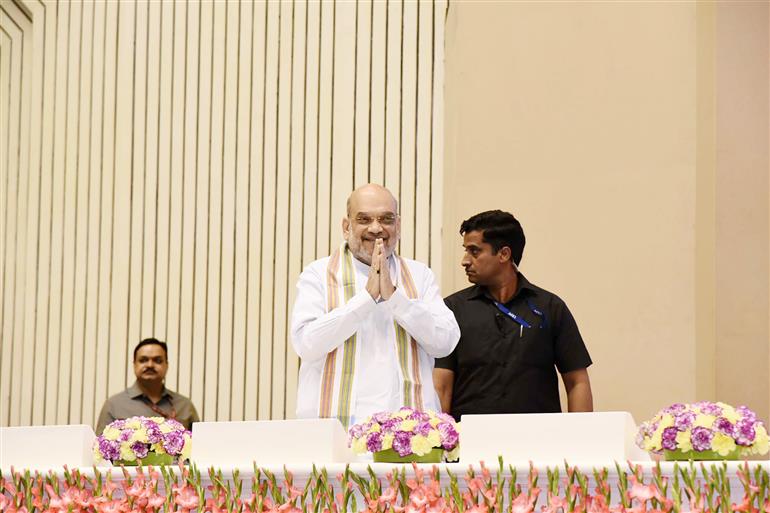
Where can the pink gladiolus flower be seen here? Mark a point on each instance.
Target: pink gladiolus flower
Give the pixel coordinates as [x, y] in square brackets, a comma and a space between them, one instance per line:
[115, 506]
[411, 508]
[214, 506]
[418, 498]
[108, 487]
[555, 503]
[596, 504]
[288, 508]
[477, 508]
[388, 496]
[525, 503]
[155, 501]
[186, 498]
[642, 492]
[746, 505]
[695, 506]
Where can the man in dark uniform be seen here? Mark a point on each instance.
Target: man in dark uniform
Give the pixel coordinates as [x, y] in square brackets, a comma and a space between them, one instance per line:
[514, 335]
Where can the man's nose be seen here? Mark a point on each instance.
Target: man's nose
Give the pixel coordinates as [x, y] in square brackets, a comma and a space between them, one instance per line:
[375, 226]
[465, 261]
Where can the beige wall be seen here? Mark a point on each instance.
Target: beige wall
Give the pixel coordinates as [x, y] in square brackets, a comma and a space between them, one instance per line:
[633, 148]
[168, 168]
[742, 207]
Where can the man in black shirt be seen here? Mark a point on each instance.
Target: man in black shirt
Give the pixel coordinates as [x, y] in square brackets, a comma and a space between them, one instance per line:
[514, 335]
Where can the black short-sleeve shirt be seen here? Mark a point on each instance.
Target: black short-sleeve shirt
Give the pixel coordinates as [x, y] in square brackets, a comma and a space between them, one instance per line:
[500, 366]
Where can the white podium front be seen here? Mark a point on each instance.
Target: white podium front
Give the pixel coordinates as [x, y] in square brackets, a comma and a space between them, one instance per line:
[550, 437]
[269, 442]
[46, 448]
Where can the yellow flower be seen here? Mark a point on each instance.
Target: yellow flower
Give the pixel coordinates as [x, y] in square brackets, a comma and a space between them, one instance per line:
[133, 423]
[97, 454]
[434, 438]
[187, 449]
[165, 428]
[656, 440]
[704, 421]
[731, 415]
[387, 442]
[683, 441]
[723, 444]
[375, 428]
[111, 433]
[140, 435]
[359, 445]
[761, 441]
[666, 421]
[126, 453]
[434, 421]
[421, 445]
[402, 413]
[407, 425]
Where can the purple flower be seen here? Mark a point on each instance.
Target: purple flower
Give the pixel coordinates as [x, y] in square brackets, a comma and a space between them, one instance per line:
[449, 435]
[669, 438]
[746, 413]
[445, 417]
[675, 408]
[118, 424]
[175, 424]
[139, 449]
[701, 438]
[419, 416]
[709, 408]
[110, 449]
[355, 431]
[154, 434]
[173, 442]
[423, 428]
[390, 425]
[374, 442]
[724, 426]
[125, 436]
[744, 432]
[402, 443]
[640, 438]
[381, 417]
[684, 420]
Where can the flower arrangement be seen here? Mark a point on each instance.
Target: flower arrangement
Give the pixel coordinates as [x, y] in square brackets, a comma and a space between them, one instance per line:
[407, 432]
[705, 429]
[564, 489]
[136, 438]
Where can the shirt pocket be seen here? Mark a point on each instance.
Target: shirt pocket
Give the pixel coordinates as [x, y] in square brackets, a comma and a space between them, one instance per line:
[535, 347]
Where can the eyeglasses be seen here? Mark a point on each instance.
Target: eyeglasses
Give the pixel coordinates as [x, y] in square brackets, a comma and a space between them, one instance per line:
[384, 220]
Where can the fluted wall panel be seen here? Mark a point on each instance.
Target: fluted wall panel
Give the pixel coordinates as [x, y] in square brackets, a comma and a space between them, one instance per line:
[168, 169]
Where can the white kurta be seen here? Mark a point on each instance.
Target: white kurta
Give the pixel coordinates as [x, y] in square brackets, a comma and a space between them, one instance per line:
[377, 383]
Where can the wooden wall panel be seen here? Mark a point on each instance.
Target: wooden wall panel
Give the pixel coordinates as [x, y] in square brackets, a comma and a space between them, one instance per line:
[168, 169]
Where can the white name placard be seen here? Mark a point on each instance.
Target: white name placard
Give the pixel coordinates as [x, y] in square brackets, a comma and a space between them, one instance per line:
[269, 442]
[550, 437]
[46, 447]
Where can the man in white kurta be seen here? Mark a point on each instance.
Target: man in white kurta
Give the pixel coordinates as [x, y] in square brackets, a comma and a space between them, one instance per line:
[367, 324]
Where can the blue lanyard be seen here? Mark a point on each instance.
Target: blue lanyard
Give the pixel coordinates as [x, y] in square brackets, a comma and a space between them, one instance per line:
[522, 322]
[512, 315]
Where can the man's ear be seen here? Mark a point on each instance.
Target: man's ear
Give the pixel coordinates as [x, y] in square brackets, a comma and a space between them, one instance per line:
[345, 227]
[504, 254]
